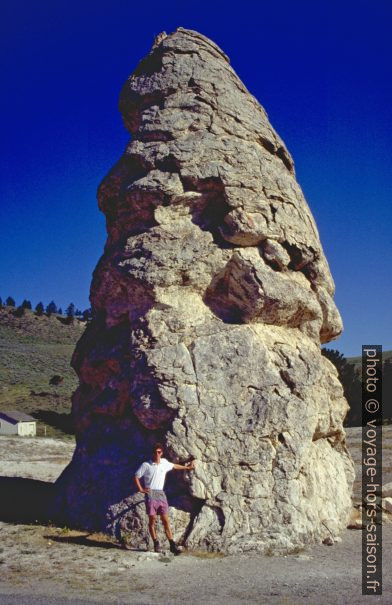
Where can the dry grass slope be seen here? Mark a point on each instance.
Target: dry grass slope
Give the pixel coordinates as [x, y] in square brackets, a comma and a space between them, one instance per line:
[33, 349]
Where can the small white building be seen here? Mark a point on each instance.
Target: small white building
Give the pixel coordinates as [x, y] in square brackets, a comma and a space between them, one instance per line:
[17, 423]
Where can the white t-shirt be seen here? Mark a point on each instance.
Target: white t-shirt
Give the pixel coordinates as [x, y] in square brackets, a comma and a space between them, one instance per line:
[154, 474]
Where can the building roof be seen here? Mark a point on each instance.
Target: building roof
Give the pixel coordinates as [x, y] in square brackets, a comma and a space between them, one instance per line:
[14, 417]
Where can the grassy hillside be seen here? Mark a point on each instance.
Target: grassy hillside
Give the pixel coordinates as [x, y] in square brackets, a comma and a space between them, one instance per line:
[33, 349]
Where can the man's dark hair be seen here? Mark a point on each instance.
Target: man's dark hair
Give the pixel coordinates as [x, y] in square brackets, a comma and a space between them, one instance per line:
[158, 446]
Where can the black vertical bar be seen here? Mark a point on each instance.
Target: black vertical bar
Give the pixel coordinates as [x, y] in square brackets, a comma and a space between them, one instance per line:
[371, 469]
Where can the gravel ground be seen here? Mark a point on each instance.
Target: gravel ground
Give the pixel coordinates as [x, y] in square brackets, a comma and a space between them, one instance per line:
[44, 565]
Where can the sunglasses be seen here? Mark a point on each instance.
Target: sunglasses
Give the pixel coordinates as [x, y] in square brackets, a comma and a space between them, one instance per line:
[158, 452]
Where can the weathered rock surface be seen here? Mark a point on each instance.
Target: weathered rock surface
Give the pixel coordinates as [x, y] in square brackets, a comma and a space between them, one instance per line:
[211, 300]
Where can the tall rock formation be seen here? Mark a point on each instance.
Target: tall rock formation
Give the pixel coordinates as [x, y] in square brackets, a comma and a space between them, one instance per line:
[210, 303]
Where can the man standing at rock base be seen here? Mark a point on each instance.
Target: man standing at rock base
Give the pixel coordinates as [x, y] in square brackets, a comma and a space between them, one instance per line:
[154, 474]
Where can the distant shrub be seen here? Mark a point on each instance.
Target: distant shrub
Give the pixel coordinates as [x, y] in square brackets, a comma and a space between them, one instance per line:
[56, 380]
[10, 302]
[26, 304]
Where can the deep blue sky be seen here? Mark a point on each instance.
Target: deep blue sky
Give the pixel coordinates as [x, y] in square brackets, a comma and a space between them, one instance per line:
[322, 70]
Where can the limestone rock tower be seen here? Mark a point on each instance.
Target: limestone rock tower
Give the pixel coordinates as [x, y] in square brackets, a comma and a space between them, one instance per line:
[210, 302]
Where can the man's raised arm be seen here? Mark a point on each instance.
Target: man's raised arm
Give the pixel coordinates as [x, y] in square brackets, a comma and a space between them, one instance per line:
[188, 467]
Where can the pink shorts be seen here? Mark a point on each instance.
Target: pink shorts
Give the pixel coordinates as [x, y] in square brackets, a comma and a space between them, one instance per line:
[156, 502]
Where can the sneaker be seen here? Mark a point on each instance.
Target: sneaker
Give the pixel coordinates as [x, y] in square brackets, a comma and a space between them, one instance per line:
[174, 549]
[157, 546]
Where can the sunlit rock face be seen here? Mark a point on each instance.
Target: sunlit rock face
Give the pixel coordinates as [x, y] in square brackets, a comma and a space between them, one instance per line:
[210, 303]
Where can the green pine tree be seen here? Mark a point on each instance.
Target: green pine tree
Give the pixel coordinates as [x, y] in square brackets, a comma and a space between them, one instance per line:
[19, 311]
[51, 308]
[350, 378]
[39, 309]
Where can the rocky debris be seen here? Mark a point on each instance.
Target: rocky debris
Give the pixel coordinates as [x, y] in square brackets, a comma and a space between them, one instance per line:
[384, 516]
[355, 521]
[385, 490]
[386, 504]
[331, 540]
[152, 556]
[210, 303]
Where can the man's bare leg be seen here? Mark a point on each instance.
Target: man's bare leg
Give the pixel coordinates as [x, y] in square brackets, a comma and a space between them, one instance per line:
[169, 535]
[152, 526]
[166, 526]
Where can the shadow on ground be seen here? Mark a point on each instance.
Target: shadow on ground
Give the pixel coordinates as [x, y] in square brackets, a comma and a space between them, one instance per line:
[25, 500]
[89, 539]
[28, 501]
